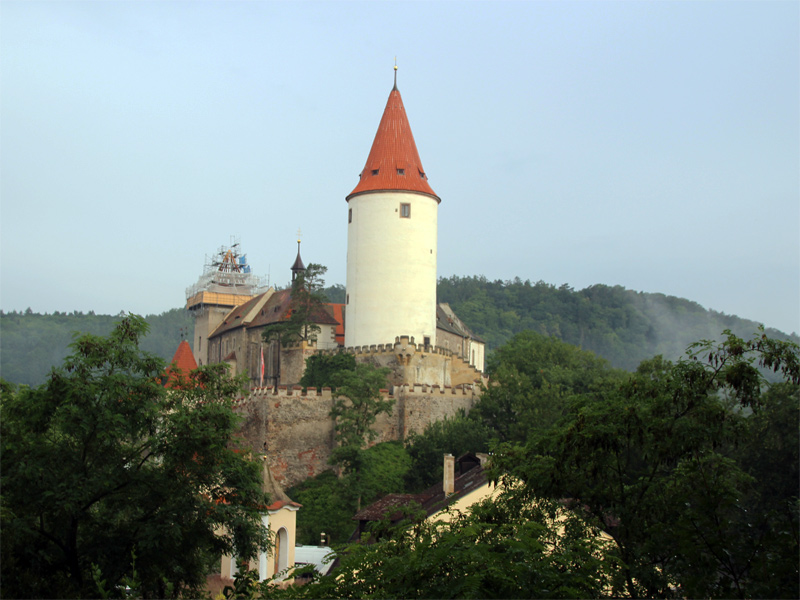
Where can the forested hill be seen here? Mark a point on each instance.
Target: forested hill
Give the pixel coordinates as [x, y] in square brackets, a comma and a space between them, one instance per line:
[620, 325]
[31, 343]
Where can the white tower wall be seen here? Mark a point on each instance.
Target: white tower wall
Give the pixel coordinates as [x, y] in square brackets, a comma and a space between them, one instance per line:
[391, 268]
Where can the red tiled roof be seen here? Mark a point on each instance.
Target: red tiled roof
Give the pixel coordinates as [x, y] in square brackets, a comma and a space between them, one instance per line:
[338, 314]
[393, 163]
[183, 361]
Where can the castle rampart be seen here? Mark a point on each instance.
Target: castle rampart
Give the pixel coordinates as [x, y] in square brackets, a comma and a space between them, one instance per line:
[294, 429]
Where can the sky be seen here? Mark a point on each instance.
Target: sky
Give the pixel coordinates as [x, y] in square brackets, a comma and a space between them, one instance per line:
[652, 145]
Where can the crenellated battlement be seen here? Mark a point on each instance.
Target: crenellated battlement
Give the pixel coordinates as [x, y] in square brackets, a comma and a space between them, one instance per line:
[294, 428]
[410, 362]
[327, 394]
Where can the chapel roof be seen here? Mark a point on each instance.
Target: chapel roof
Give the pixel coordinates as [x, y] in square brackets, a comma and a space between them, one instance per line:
[267, 308]
[393, 163]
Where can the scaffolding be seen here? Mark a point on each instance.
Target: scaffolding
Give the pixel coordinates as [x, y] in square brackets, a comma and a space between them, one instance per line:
[227, 272]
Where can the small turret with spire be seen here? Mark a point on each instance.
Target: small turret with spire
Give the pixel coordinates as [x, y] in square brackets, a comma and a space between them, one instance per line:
[298, 265]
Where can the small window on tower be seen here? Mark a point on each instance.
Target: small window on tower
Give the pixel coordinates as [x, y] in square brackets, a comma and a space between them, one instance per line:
[375, 171]
[405, 211]
[422, 174]
[401, 171]
[350, 215]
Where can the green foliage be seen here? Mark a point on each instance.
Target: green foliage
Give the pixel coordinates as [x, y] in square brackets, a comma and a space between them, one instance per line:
[533, 380]
[321, 369]
[358, 404]
[335, 293]
[307, 304]
[455, 436]
[327, 509]
[654, 463]
[329, 502]
[109, 478]
[621, 325]
[501, 549]
[34, 343]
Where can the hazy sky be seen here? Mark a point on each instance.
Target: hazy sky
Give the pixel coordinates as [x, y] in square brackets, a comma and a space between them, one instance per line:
[653, 145]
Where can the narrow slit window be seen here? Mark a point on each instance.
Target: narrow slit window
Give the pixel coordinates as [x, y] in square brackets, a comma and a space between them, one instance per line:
[350, 215]
[405, 211]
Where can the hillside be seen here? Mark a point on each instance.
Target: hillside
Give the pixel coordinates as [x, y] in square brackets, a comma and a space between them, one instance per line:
[32, 343]
[621, 325]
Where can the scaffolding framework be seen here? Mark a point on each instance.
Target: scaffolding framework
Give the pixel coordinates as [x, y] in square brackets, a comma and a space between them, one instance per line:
[226, 274]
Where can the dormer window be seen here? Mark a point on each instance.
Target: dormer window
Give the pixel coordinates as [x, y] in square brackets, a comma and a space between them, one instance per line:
[375, 171]
[401, 171]
[422, 174]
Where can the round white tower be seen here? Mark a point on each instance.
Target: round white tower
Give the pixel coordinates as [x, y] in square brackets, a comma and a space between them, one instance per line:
[391, 240]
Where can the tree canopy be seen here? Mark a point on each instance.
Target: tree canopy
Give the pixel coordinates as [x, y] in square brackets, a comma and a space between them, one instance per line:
[679, 480]
[110, 479]
[657, 462]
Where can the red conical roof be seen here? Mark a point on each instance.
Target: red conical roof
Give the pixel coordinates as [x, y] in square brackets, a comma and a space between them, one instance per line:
[393, 163]
[183, 361]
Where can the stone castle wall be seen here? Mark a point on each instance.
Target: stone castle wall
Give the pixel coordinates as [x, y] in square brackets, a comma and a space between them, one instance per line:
[295, 431]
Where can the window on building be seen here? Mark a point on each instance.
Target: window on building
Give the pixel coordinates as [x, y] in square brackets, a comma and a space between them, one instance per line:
[350, 215]
[375, 171]
[427, 341]
[405, 211]
[401, 171]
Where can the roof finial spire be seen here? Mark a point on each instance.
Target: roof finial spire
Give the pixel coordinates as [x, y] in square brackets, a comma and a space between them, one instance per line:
[395, 74]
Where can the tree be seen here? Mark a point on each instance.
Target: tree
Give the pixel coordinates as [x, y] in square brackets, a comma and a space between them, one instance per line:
[533, 379]
[321, 369]
[454, 436]
[306, 307]
[359, 402]
[329, 504]
[110, 478]
[654, 463]
[498, 549]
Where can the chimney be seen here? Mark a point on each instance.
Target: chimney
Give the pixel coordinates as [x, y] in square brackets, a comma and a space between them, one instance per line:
[449, 474]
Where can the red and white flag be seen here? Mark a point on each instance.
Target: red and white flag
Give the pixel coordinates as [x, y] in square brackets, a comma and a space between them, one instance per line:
[261, 383]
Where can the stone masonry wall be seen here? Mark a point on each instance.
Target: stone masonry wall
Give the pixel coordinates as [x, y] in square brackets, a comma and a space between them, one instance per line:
[297, 434]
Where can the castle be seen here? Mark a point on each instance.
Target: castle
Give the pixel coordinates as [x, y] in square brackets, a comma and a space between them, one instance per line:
[390, 317]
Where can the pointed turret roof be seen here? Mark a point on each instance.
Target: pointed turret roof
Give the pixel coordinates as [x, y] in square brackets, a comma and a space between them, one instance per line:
[183, 362]
[298, 263]
[393, 163]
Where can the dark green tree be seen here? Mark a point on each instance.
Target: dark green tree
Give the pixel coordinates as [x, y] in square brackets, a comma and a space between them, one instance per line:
[455, 436]
[499, 549]
[321, 369]
[110, 478]
[329, 504]
[359, 402]
[654, 464]
[533, 379]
